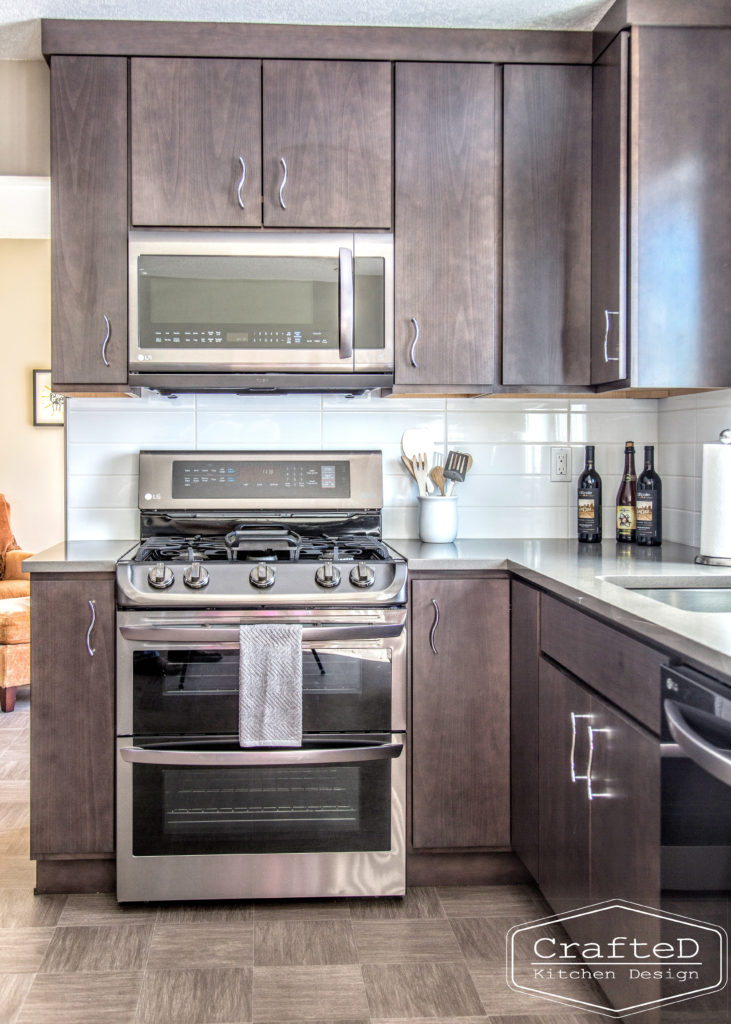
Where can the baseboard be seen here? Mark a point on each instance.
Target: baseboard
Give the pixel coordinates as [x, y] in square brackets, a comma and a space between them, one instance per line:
[465, 869]
[75, 876]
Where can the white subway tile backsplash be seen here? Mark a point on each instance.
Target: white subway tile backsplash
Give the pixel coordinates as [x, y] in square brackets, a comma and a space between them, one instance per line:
[512, 522]
[90, 459]
[245, 404]
[379, 426]
[141, 426]
[102, 523]
[597, 427]
[259, 430]
[118, 492]
[493, 426]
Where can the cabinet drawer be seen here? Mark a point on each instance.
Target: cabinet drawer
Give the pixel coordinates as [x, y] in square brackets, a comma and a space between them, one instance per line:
[624, 670]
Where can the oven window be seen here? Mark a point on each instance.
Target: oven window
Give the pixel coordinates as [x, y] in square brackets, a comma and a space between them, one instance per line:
[189, 691]
[283, 809]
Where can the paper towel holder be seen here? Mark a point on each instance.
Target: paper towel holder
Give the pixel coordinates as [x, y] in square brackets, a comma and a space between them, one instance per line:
[725, 438]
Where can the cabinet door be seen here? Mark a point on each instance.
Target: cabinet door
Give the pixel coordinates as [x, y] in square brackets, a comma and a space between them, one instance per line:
[681, 220]
[196, 149]
[445, 224]
[460, 713]
[610, 84]
[327, 144]
[72, 718]
[563, 754]
[546, 224]
[89, 221]
[524, 653]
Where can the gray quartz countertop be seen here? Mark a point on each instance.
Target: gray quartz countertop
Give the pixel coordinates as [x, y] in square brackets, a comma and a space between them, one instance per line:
[590, 575]
[79, 556]
[586, 574]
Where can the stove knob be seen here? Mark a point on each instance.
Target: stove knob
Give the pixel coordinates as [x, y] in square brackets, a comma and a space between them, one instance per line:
[160, 576]
[262, 576]
[196, 576]
[328, 575]
[362, 575]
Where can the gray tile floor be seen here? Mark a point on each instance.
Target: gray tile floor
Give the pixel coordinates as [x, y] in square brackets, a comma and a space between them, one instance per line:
[436, 955]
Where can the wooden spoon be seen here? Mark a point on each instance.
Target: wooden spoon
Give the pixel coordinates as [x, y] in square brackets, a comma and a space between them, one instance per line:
[437, 475]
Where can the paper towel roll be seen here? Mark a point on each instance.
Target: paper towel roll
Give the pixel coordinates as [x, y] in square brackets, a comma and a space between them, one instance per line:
[716, 501]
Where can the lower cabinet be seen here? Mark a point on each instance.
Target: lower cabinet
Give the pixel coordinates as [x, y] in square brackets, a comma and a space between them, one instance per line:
[460, 643]
[72, 724]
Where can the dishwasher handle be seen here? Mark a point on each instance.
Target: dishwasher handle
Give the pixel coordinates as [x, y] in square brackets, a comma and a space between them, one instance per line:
[711, 759]
[259, 758]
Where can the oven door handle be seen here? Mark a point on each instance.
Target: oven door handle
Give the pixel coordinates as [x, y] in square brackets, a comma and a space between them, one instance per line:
[258, 758]
[230, 634]
[712, 760]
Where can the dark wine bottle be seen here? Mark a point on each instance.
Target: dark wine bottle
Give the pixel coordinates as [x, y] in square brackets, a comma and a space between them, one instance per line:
[627, 498]
[649, 502]
[589, 501]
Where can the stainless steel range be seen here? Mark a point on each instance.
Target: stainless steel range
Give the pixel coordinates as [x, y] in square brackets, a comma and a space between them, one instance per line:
[228, 540]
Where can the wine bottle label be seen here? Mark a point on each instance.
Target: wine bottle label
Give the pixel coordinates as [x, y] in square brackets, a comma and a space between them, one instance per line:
[646, 512]
[626, 519]
[587, 509]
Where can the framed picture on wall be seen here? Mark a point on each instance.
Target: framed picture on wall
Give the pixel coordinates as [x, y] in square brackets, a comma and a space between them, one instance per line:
[48, 406]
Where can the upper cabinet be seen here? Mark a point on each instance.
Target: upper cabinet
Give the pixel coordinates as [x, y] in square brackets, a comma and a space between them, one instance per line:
[237, 143]
[666, 178]
[546, 224]
[89, 222]
[445, 224]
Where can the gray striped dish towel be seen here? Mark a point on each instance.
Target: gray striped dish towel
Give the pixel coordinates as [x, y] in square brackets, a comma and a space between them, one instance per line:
[270, 685]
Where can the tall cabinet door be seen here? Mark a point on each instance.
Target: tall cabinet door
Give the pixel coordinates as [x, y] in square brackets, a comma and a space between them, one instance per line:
[196, 148]
[327, 144]
[460, 713]
[610, 110]
[72, 718]
[445, 224]
[546, 224]
[89, 221]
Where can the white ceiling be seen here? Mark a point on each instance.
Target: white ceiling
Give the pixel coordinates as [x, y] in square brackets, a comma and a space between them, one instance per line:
[20, 26]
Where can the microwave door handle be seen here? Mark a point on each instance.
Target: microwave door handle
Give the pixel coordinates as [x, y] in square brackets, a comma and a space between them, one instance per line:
[712, 760]
[230, 635]
[259, 758]
[346, 303]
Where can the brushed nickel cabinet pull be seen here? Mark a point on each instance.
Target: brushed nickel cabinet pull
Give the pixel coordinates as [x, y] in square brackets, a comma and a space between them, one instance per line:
[433, 631]
[412, 350]
[607, 324]
[589, 791]
[240, 186]
[574, 776]
[90, 649]
[106, 339]
[282, 183]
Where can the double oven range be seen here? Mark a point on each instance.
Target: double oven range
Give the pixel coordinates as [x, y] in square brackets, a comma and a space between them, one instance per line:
[230, 539]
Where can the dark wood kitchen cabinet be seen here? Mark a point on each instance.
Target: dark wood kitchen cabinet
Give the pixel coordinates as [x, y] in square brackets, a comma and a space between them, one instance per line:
[546, 224]
[446, 173]
[89, 223]
[72, 728]
[311, 140]
[460, 644]
[525, 624]
[661, 305]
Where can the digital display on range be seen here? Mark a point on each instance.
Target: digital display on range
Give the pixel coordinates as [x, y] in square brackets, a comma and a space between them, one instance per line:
[249, 478]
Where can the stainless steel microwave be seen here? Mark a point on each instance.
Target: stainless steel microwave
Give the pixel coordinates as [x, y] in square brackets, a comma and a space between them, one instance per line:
[259, 311]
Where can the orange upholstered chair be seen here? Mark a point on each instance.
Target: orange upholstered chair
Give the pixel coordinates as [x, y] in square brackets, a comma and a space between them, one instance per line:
[14, 613]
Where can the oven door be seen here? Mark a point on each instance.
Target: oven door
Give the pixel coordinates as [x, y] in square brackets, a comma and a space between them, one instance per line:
[178, 673]
[204, 819]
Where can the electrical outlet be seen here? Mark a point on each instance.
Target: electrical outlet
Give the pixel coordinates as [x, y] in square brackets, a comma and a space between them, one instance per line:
[561, 464]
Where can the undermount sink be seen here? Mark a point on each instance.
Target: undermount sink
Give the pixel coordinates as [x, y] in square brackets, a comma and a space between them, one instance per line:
[693, 596]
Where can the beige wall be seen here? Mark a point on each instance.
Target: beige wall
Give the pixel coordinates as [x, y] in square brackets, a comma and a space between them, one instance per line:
[24, 117]
[32, 458]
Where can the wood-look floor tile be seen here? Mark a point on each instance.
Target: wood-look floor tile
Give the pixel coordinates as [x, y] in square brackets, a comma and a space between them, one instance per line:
[103, 910]
[301, 910]
[13, 990]
[482, 938]
[421, 990]
[436, 1020]
[207, 996]
[521, 902]
[15, 791]
[17, 872]
[19, 908]
[15, 842]
[419, 902]
[205, 912]
[500, 1000]
[90, 949]
[204, 945]
[303, 943]
[24, 948]
[555, 1016]
[394, 942]
[309, 993]
[81, 999]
